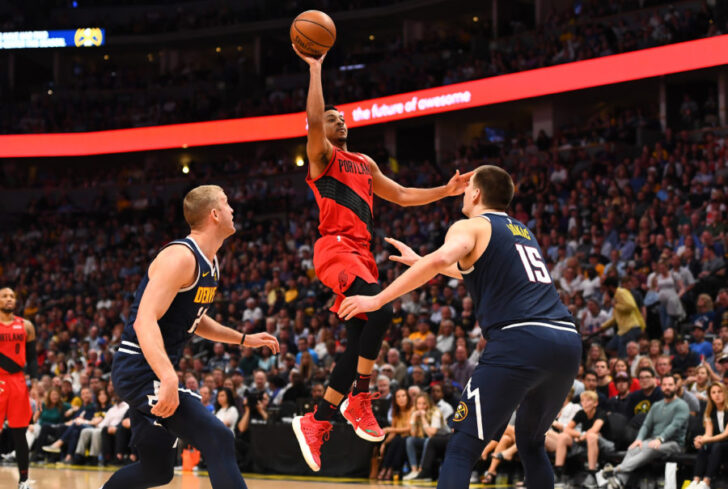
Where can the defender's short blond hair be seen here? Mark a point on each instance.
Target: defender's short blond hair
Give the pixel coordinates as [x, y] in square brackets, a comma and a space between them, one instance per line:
[589, 395]
[199, 202]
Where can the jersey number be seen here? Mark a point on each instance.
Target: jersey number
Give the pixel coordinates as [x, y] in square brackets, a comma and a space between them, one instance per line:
[200, 312]
[534, 265]
[370, 187]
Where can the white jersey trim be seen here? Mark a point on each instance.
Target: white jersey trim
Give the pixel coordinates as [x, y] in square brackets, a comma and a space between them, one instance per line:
[216, 270]
[131, 352]
[472, 267]
[201, 253]
[190, 392]
[544, 325]
[194, 284]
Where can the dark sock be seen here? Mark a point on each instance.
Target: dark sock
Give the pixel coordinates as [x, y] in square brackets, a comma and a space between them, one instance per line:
[22, 455]
[362, 383]
[325, 411]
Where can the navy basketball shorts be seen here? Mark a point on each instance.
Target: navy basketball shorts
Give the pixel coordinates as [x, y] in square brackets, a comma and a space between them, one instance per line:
[525, 367]
[140, 392]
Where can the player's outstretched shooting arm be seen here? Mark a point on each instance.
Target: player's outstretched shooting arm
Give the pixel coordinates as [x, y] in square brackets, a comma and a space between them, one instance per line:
[459, 243]
[318, 148]
[388, 189]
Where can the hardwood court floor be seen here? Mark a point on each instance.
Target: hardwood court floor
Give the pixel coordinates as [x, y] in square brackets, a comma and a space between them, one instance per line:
[64, 477]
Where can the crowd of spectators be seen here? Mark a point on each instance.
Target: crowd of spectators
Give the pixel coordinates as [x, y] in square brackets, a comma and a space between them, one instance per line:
[160, 16]
[109, 94]
[634, 242]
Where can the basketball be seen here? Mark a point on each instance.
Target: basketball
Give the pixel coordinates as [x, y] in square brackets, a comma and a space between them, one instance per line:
[313, 33]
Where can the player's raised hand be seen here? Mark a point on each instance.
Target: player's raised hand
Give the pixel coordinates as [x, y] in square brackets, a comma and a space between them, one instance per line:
[167, 398]
[458, 182]
[312, 61]
[406, 254]
[259, 340]
[358, 304]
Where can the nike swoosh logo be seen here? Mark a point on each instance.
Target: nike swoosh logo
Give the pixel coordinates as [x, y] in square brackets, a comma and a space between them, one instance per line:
[206, 274]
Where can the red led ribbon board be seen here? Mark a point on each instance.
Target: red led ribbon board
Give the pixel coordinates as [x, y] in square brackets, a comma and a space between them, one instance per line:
[687, 56]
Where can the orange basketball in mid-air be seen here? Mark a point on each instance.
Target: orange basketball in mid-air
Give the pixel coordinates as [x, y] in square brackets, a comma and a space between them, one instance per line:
[313, 33]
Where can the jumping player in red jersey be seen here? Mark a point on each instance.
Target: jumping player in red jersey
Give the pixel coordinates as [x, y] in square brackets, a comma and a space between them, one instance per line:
[17, 349]
[344, 184]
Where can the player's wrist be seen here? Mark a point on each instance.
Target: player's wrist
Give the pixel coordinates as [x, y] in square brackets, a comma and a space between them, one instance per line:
[170, 377]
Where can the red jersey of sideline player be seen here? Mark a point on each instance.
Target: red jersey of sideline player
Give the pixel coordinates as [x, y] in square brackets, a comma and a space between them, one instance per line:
[15, 332]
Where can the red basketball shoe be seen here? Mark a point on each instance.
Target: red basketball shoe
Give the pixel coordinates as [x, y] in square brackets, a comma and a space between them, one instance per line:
[311, 434]
[357, 410]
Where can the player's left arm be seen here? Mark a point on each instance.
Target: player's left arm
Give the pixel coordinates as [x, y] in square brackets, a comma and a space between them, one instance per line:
[407, 256]
[31, 356]
[390, 190]
[212, 330]
[459, 242]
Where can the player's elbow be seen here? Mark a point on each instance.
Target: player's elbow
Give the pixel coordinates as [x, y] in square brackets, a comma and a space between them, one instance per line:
[139, 326]
[440, 261]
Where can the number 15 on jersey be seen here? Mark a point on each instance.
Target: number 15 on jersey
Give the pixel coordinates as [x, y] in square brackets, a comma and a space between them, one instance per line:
[533, 263]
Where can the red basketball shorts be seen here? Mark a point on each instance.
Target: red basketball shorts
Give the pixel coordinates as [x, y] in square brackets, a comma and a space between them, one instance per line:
[14, 400]
[338, 261]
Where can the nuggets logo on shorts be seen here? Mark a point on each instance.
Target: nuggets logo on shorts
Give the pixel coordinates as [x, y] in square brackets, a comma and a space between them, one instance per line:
[461, 413]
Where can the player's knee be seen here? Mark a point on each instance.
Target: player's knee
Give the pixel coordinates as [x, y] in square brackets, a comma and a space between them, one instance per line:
[592, 437]
[529, 446]
[381, 318]
[220, 437]
[387, 312]
[157, 472]
[164, 476]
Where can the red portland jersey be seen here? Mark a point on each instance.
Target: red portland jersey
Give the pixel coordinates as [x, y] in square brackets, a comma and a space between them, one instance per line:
[12, 343]
[344, 196]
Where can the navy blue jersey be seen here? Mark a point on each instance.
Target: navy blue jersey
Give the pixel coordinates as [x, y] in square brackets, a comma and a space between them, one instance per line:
[177, 324]
[510, 283]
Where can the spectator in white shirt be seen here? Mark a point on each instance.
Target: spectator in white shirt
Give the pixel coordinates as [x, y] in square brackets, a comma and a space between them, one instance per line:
[477, 351]
[571, 281]
[558, 270]
[592, 317]
[445, 337]
[252, 312]
[225, 408]
[91, 437]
